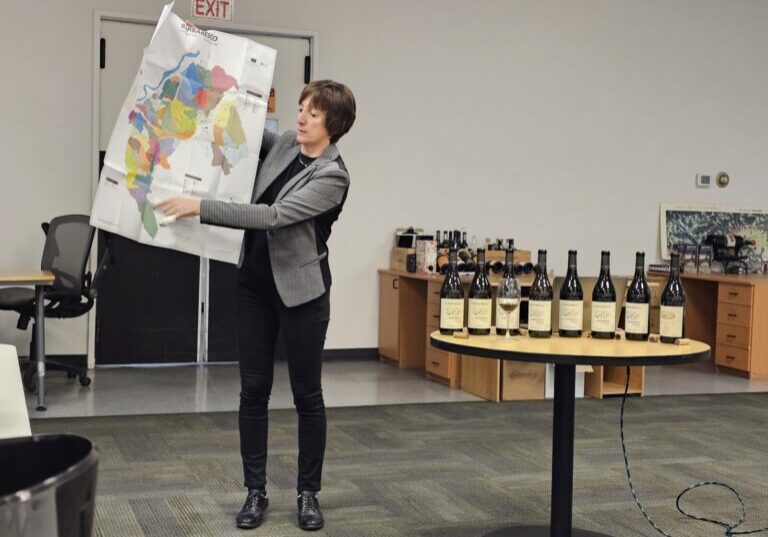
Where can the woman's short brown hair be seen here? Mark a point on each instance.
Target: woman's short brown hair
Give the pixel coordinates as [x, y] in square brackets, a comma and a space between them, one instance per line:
[338, 103]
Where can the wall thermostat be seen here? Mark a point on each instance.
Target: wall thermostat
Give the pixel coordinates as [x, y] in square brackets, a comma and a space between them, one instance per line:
[722, 179]
[703, 181]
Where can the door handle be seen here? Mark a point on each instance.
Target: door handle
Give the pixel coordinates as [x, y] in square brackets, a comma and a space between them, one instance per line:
[395, 284]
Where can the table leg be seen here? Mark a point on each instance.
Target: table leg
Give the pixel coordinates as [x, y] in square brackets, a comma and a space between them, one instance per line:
[40, 345]
[562, 450]
[562, 466]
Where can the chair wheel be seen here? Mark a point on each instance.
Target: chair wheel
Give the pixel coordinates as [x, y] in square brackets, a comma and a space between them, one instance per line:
[85, 380]
[30, 379]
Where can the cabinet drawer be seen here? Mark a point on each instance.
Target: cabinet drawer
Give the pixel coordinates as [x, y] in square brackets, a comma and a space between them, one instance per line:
[438, 363]
[433, 313]
[433, 292]
[735, 294]
[734, 314]
[736, 336]
[733, 357]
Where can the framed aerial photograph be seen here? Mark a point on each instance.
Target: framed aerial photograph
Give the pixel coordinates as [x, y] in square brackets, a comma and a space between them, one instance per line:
[690, 224]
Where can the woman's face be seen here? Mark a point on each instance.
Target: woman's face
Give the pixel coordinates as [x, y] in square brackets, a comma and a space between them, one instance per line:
[310, 125]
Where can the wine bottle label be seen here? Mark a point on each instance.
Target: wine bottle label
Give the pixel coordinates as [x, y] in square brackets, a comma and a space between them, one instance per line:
[671, 321]
[571, 315]
[501, 318]
[603, 317]
[479, 314]
[540, 315]
[636, 318]
[452, 313]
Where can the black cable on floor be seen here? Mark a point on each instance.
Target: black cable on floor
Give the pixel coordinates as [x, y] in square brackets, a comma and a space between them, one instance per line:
[730, 529]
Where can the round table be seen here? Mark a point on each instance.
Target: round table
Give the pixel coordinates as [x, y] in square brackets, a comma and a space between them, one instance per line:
[566, 354]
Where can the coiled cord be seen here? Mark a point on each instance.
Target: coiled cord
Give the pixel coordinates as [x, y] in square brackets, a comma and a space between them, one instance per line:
[730, 528]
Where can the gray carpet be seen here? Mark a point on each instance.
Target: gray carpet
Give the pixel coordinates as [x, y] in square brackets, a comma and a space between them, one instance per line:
[435, 470]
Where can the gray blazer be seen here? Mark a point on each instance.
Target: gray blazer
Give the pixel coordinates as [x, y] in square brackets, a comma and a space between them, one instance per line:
[289, 222]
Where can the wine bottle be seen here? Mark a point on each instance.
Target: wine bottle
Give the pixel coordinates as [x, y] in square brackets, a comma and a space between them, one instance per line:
[672, 312]
[571, 318]
[437, 238]
[603, 319]
[464, 239]
[503, 310]
[443, 263]
[451, 299]
[480, 300]
[496, 267]
[540, 301]
[637, 310]
[469, 264]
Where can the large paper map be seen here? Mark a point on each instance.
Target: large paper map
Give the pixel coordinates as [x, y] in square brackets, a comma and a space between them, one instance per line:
[191, 126]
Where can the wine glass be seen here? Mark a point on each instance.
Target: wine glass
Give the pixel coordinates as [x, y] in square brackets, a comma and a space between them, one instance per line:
[508, 298]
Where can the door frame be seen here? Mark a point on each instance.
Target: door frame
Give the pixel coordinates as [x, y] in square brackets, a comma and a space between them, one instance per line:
[100, 16]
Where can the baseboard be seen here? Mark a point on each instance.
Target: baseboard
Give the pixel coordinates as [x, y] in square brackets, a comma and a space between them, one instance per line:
[367, 353]
[362, 354]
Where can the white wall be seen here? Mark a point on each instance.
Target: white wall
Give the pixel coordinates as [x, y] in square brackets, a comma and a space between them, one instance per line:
[563, 124]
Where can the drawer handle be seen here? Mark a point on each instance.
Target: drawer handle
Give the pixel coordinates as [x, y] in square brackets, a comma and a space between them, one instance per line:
[730, 336]
[732, 315]
[733, 293]
[435, 362]
[436, 316]
[730, 358]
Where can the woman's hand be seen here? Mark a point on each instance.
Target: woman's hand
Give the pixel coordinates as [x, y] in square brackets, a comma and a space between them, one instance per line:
[179, 207]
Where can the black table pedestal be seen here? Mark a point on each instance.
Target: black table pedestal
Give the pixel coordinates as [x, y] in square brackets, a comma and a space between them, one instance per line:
[562, 465]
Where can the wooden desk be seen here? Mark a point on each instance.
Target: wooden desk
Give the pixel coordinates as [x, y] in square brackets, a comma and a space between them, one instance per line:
[409, 310]
[730, 313]
[566, 353]
[40, 279]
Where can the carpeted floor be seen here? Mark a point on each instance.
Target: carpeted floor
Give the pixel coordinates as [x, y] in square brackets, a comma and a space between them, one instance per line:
[435, 470]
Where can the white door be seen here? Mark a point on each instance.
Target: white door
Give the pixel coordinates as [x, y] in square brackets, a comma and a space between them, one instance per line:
[130, 293]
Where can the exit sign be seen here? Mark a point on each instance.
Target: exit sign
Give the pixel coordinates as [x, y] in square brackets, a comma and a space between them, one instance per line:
[213, 9]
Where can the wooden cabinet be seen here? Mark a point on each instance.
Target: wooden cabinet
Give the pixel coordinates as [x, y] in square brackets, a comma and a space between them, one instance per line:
[389, 296]
[402, 312]
[730, 313]
[734, 327]
[439, 365]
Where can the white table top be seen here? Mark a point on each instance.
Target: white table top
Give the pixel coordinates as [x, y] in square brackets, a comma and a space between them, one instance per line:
[14, 420]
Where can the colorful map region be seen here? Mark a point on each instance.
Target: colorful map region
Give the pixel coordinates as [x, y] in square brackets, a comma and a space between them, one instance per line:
[168, 114]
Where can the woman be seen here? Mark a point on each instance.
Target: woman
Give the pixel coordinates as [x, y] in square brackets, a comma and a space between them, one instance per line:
[283, 284]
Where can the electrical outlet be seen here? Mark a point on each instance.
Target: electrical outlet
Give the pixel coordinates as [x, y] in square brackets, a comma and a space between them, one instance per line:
[703, 180]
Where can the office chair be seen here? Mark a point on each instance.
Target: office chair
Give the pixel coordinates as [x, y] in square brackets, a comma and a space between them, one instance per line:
[67, 247]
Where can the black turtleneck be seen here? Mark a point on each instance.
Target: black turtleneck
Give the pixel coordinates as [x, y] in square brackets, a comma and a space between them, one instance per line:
[256, 251]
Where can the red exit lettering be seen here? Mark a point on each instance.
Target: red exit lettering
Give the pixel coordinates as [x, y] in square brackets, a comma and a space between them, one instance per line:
[212, 9]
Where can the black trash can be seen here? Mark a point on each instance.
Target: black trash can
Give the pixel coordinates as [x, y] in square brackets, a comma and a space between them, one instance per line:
[47, 486]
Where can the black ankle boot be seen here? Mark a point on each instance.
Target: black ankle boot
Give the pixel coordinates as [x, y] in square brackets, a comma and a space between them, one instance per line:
[310, 516]
[252, 513]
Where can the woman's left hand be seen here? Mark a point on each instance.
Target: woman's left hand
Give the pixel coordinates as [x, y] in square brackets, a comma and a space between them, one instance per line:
[179, 207]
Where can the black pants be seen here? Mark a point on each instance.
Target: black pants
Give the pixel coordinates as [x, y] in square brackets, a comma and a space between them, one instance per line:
[263, 320]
